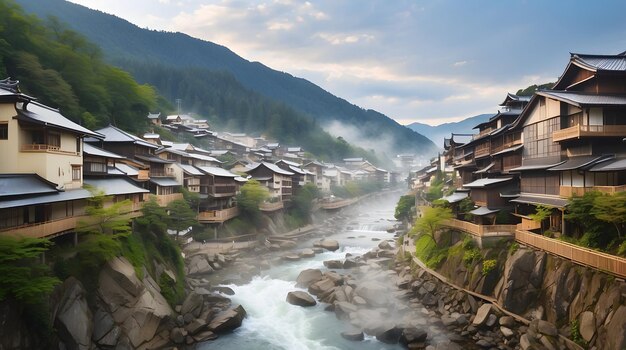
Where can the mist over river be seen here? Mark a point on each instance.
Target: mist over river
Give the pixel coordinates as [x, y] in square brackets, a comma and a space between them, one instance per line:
[272, 323]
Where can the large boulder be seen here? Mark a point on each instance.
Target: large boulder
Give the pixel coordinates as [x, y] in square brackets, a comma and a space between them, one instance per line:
[333, 264]
[587, 325]
[192, 304]
[308, 277]
[300, 298]
[617, 329]
[198, 265]
[329, 244]
[322, 287]
[389, 334]
[73, 318]
[482, 315]
[228, 320]
[412, 335]
[138, 307]
[375, 293]
[521, 270]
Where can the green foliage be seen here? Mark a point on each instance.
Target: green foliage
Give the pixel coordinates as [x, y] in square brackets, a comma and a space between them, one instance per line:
[465, 206]
[105, 219]
[252, 194]
[488, 266]
[611, 209]
[513, 248]
[192, 198]
[133, 250]
[431, 221]
[22, 276]
[621, 249]
[540, 215]
[181, 216]
[471, 256]
[302, 204]
[530, 90]
[62, 69]
[172, 291]
[403, 208]
[574, 327]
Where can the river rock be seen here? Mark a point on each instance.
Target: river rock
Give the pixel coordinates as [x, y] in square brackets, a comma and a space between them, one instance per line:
[291, 257]
[507, 321]
[384, 245]
[349, 263]
[321, 287]
[482, 315]
[228, 320]
[412, 335]
[329, 244]
[195, 326]
[308, 277]
[177, 335]
[192, 304]
[307, 253]
[343, 309]
[506, 332]
[390, 334]
[224, 290]
[287, 244]
[333, 264]
[73, 317]
[300, 298]
[198, 264]
[373, 292]
[353, 335]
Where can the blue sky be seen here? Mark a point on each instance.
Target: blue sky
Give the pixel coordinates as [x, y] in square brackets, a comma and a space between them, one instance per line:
[432, 61]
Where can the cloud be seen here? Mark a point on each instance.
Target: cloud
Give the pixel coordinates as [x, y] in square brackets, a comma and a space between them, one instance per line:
[426, 61]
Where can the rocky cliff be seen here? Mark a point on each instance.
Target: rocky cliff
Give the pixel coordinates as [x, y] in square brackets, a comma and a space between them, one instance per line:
[540, 286]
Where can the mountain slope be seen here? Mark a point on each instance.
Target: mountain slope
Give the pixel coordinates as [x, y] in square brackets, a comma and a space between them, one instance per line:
[437, 133]
[125, 44]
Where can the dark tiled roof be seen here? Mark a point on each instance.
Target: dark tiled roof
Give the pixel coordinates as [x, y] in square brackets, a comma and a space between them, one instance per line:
[24, 184]
[114, 185]
[601, 62]
[99, 152]
[584, 99]
[40, 114]
[46, 198]
[577, 163]
[114, 134]
[164, 181]
[541, 200]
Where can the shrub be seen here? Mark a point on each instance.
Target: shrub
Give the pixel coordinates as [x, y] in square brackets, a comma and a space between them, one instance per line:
[488, 266]
[513, 248]
[621, 250]
[470, 256]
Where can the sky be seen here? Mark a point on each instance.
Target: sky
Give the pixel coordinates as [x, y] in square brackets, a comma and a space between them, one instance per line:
[431, 61]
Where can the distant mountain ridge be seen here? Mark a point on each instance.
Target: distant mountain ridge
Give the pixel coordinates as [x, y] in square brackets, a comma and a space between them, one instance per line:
[125, 44]
[437, 133]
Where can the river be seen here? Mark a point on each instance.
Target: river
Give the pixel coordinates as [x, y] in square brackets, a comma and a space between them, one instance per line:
[272, 323]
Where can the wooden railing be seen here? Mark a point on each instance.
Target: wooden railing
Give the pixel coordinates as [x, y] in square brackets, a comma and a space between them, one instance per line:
[507, 145]
[569, 191]
[56, 227]
[38, 147]
[267, 206]
[481, 150]
[480, 230]
[578, 131]
[165, 199]
[609, 263]
[338, 204]
[218, 215]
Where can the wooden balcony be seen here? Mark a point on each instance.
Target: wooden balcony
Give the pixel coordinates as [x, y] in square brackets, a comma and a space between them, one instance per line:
[578, 131]
[266, 206]
[218, 191]
[218, 216]
[569, 191]
[44, 148]
[481, 230]
[165, 199]
[601, 261]
[143, 175]
[481, 152]
[44, 229]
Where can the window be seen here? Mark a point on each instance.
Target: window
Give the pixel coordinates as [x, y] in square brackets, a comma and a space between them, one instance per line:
[76, 173]
[4, 131]
[54, 140]
[78, 141]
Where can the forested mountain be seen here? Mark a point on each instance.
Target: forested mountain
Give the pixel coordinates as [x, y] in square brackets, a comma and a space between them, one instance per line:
[64, 70]
[131, 47]
[437, 133]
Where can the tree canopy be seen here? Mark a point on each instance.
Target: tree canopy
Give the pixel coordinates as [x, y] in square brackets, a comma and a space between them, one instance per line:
[431, 221]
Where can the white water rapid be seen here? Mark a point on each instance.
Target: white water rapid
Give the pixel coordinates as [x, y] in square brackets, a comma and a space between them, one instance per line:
[272, 323]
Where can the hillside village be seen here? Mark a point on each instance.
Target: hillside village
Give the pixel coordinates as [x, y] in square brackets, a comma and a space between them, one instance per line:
[49, 162]
[530, 168]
